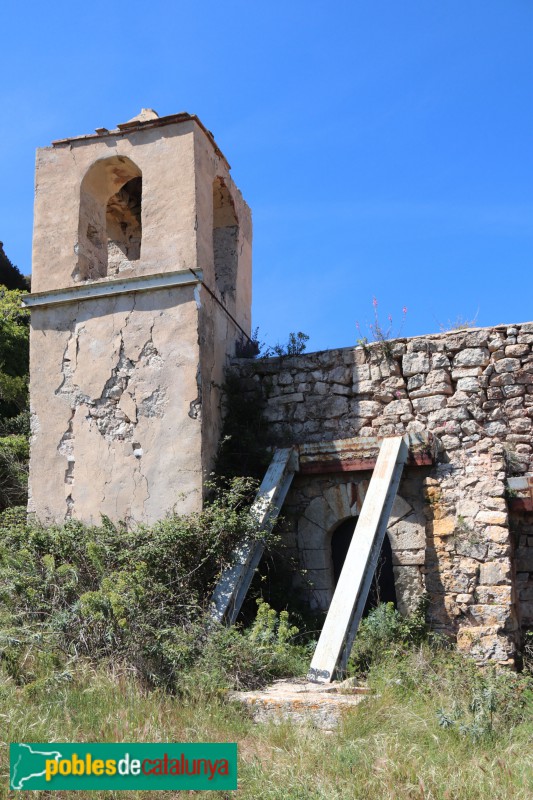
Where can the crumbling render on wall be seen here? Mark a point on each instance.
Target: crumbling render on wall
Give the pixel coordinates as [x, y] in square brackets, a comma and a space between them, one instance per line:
[121, 374]
[473, 390]
[115, 411]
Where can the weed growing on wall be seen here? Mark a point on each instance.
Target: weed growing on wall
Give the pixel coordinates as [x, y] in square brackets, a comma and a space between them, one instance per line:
[295, 345]
[379, 332]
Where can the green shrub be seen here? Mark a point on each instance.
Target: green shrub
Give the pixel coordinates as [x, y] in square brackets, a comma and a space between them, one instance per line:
[468, 702]
[139, 596]
[14, 455]
[230, 658]
[383, 631]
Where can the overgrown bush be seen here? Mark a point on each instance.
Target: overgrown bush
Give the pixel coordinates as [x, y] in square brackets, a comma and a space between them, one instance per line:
[385, 631]
[239, 659]
[14, 418]
[469, 702]
[137, 595]
[14, 455]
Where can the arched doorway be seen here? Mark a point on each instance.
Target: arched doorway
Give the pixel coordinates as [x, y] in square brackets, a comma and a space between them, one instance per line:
[382, 589]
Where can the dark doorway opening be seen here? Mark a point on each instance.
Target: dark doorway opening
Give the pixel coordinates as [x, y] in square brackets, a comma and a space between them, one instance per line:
[382, 589]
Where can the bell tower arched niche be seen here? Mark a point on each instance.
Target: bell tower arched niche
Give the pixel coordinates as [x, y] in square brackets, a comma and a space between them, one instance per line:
[110, 224]
[225, 240]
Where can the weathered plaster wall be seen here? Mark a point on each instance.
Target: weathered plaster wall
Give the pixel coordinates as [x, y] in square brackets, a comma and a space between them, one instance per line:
[474, 391]
[219, 332]
[210, 168]
[113, 383]
[125, 390]
[165, 156]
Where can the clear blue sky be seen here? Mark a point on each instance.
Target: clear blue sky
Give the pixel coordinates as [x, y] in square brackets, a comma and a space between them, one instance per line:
[384, 146]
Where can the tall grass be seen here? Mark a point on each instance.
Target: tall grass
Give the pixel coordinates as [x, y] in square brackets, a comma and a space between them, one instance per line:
[390, 747]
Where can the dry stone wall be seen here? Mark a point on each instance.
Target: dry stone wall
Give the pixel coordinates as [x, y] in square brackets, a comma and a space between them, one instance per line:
[472, 389]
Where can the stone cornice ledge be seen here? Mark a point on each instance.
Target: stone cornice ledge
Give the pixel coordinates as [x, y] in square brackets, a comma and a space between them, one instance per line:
[108, 288]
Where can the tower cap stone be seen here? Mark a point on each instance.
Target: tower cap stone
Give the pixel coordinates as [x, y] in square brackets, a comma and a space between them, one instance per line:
[145, 115]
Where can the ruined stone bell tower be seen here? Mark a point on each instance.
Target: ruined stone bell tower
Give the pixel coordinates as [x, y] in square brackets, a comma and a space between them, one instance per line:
[141, 292]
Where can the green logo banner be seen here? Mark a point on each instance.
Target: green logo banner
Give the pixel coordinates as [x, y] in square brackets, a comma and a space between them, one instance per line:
[86, 766]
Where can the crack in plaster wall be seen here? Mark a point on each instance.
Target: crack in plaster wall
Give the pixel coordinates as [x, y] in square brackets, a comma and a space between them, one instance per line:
[115, 412]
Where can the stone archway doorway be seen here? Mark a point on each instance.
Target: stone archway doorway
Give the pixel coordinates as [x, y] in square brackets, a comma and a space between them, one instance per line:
[383, 588]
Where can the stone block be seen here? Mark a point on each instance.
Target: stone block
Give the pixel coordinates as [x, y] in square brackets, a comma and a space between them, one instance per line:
[491, 517]
[274, 413]
[472, 357]
[477, 338]
[408, 534]
[338, 500]
[415, 382]
[524, 559]
[444, 526]
[365, 408]
[497, 534]
[466, 508]
[450, 442]
[507, 365]
[397, 408]
[484, 643]
[400, 508]
[517, 350]
[468, 385]
[494, 594]
[493, 573]
[466, 372]
[494, 615]
[360, 373]
[440, 361]
[526, 612]
[310, 534]
[406, 558]
[285, 379]
[413, 363]
[315, 559]
[293, 397]
[424, 405]
[409, 584]
[464, 599]
[337, 388]
[468, 544]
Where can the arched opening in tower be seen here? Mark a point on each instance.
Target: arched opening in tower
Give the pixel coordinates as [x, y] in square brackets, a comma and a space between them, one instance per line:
[225, 240]
[110, 227]
[382, 588]
[124, 226]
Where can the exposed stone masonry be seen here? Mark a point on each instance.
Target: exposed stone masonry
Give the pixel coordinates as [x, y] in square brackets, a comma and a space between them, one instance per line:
[472, 389]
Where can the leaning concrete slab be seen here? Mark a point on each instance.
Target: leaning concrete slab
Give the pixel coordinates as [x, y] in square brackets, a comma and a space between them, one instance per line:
[350, 595]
